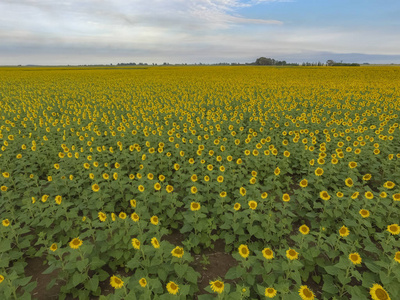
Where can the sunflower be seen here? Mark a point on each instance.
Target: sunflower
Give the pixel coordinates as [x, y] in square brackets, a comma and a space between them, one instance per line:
[172, 288]
[367, 177]
[355, 258]
[304, 229]
[113, 216]
[236, 206]
[220, 179]
[116, 282]
[44, 198]
[106, 176]
[222, 194]
[154, 220]
[194, 178]
[122, 215]
[193, 190]
[389, 184]
[195, 206]
[1, 278]
[394, 229]
[102, 216]
[6, 223]
[157, 186]
[53, 247]
[344, 231]
[304, 183]
[349, 182]
[143, 282]
[141, 188]
[369, 195]
[396, 197]
[4, 188]
[324, 195]
[169, 188]
[397, 256]
[377, 292]
[133, 203]
[264, 195]
[319, 171]
[155, 243]
[277, 171]
[252, 204]
[364, 213]
[352, 164]
[383, 195]
[244, 251]
[95, 187]
[242, 191]
[217, 286]
[292, 254]
[268, 253]
[177, 252]
[270, 292]
[136, 244]
[135, 217]
[355, 195]
[286, 197]
[75, 243]
[305, 293]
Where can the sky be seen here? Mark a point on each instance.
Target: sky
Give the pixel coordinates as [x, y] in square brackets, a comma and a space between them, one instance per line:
[48, 32]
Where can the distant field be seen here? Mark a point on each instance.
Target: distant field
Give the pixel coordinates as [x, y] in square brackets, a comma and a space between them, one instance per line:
[135, 182]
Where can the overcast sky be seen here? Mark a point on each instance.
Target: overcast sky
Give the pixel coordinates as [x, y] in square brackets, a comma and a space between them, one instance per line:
[192, 31]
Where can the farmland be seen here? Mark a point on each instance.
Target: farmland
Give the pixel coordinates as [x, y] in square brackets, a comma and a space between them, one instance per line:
[295, 171]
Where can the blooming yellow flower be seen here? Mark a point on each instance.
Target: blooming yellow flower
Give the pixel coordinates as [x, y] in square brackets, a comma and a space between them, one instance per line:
[194, 206]
[394, 229]
[136, 243]
[244, 251]
[172, 288]
[95, 187]
[292, 254]
[252, 204]
[268, 253]
[143, 282]
[53, 247]
[116, 282]
[355, 258]
[305, 293]
[377, 292]
[344, 231]
[177, 252]
[75, 243]
[304, 229]
[155, 243]
[6, 223]
[270, 292]
[217, 286]
[154, 220]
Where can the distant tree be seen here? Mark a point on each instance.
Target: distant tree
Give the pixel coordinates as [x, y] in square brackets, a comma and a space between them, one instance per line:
[330, 62]
[263, 61]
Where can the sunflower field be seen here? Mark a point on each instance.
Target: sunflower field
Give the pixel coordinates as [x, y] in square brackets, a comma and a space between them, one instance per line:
[295, 170]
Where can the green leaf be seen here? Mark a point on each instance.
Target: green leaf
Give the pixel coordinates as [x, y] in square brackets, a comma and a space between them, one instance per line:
[332, 270]
[329, 286]
[162, 274]
[180, 269]
[316, 278]
[22, 281]
[77, 278]
[93, 283]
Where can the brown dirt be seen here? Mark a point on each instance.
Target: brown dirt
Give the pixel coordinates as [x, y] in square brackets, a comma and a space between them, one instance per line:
[35, 268]
[219, 263]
